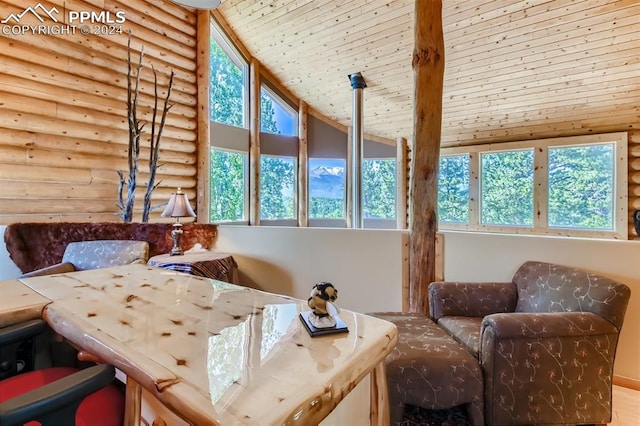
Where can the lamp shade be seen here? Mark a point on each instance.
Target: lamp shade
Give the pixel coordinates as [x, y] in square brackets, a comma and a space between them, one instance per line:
[198, 4]
[178, 206]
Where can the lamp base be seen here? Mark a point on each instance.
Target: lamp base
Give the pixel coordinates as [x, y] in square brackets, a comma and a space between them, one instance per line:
[176, 233]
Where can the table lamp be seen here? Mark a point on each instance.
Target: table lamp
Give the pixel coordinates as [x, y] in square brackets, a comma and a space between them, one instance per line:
[178, 207]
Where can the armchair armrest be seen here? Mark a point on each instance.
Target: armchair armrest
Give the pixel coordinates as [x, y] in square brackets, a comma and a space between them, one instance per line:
[471, 299]
[53, 398]
[562, 361]
[522, 325]
[58, 268]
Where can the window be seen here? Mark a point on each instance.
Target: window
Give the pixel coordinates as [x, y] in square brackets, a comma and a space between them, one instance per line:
[228, 77]
[379, 185]
[581, 186]
[506, 196]
[278, 160]
[379, 189]
[453, 193]
[227, 185]
[275, 115]
[574, 186]
[277, 188]
[327, 188]
[229, 138]
[327, 175]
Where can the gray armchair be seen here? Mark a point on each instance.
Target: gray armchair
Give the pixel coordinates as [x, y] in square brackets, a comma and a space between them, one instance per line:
[82, 255]
[546, 341]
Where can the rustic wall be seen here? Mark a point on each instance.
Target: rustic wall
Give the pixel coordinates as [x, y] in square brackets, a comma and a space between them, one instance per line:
[63, 122]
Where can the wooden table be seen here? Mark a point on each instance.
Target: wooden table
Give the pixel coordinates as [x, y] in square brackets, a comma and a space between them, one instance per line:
[217, 353]
[19, 303]
[203, 263]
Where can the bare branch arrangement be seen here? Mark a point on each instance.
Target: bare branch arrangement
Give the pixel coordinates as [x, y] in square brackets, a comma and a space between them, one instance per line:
[136, 127]
[155, 144]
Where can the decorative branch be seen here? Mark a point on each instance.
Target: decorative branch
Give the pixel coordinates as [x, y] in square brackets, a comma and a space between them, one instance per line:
[135, 131]
[155, 143]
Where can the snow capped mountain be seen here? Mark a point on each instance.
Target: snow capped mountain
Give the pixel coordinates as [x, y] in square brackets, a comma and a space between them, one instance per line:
[324, 170]
[326, 182]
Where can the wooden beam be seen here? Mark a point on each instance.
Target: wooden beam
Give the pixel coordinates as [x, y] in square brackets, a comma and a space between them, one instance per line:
[428, 67]
[254, 142]
[303, 166]
[402, 164]
[202, 144]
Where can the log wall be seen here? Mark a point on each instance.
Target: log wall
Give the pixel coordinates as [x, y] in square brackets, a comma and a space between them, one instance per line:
[63, 120]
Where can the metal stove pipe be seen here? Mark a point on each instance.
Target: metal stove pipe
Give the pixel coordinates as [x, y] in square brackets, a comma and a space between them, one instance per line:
[358, 84]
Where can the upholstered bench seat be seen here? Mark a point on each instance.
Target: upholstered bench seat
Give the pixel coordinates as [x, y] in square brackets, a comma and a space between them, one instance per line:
[429, 369]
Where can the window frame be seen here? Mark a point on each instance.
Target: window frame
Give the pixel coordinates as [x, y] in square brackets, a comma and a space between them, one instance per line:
[540, 186]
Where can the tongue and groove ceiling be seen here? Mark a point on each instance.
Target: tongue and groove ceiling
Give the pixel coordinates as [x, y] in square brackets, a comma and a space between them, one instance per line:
[514, 69]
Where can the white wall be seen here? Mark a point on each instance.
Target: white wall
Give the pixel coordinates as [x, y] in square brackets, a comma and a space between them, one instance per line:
[8, 269]
[366, 266]
[496, 257]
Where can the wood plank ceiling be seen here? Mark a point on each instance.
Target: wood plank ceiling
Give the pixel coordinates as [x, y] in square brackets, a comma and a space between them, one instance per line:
[514, 68]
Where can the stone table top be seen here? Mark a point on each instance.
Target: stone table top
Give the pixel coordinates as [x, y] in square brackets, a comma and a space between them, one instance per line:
[215, 353]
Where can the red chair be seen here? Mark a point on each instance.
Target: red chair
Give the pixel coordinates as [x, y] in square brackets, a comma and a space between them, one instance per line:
[60, 395]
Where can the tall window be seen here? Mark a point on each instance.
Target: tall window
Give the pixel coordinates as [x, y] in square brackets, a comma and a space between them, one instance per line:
[278, 160]
[379, 185]
[379, 189]
[228, 176]
[573, 186]
[228, 77]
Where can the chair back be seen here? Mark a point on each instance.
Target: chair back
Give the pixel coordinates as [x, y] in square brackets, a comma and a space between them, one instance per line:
[547, 287]
[105, 253]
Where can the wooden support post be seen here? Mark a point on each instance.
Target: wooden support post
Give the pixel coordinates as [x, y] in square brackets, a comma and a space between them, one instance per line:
[303, 165]
[203, 195]
[401, 183]
[254, 142]
[428, 66]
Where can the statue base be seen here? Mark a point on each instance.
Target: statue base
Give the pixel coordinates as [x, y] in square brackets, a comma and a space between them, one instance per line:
[313, 330]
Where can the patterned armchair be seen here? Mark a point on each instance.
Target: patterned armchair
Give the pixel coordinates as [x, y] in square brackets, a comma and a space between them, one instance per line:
[546, 341]
[82, 255]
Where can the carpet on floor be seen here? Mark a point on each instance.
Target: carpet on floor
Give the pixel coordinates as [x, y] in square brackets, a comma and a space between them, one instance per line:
[416, 416]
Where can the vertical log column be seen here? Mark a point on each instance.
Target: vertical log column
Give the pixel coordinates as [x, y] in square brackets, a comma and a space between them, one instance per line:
[254, 142]
[401, 183]
[203, 195]
[303, 165]
[428, 67]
